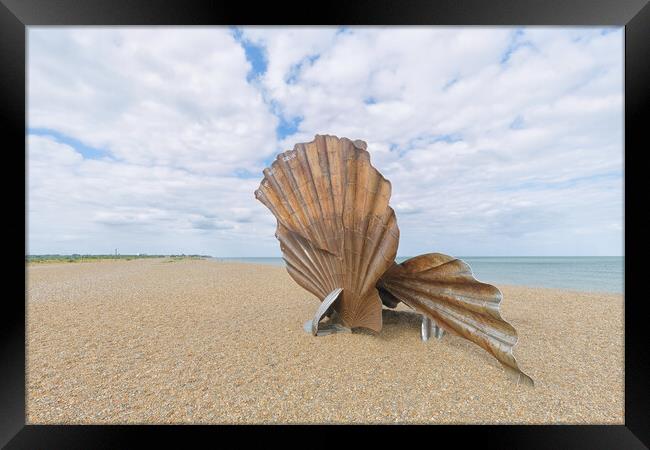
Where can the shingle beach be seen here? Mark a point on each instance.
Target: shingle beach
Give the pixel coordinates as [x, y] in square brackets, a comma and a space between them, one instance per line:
[202, 341]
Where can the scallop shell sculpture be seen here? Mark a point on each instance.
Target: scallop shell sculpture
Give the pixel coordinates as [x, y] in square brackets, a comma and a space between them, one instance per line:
[444, 289]
[339, 238]
[334, 224]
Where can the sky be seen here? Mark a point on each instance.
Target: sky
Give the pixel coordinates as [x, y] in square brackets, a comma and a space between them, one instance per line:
[498, 141]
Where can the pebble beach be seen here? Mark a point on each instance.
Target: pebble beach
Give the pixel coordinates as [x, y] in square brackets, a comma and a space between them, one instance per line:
[207, 342]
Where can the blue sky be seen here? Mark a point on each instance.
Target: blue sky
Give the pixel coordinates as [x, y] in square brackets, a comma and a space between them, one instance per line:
[84, 150]
[497, 141]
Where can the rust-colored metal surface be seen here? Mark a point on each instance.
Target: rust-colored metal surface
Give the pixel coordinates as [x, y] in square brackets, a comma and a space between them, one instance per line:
[334, 224]
[444, 289]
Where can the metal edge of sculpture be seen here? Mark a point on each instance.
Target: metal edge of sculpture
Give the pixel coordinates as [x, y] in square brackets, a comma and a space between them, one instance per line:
[339, 237]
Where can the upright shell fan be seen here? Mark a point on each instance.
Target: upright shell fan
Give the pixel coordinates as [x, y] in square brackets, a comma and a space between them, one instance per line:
[335, 227]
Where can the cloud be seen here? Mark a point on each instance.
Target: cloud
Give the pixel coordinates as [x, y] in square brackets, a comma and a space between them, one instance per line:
[162, 96]
[439, 126]
[210, 224]
[496, 140]
[107, 204]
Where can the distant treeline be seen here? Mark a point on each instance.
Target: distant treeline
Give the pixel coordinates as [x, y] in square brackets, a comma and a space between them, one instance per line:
[80, 258]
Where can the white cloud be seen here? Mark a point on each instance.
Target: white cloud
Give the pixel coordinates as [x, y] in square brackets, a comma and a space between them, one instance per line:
[174, 97]
[496, 140]
[484, 148]
[86, 205]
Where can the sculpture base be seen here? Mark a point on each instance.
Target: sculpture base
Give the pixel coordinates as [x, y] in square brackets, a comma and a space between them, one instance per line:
[429, 328]
[326, 308]
[326, 328]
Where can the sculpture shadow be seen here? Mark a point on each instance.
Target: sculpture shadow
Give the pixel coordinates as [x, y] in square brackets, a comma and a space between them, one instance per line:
[396, 323]
[396, 320]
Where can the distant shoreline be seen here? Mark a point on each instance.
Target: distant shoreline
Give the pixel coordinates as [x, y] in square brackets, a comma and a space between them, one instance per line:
[75, 258]
[588, 274]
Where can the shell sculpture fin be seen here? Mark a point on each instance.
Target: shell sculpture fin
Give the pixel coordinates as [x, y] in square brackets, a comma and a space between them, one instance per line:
[334, 224]
[444, 289]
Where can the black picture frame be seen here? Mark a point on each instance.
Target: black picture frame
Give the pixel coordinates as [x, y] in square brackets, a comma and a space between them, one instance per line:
[16, 15]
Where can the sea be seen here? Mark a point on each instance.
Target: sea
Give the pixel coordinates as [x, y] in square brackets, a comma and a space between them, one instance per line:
[581, 273]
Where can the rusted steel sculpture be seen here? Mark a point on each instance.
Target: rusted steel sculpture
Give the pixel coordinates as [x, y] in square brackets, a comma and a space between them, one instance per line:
[339, 238]
[335, 227]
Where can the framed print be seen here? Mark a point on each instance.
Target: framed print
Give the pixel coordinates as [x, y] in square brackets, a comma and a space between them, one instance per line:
[360, 215]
